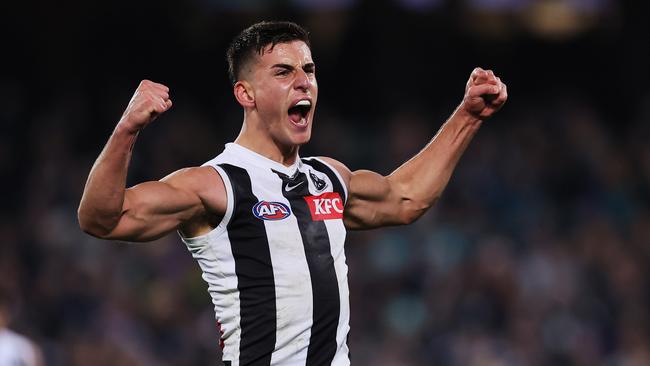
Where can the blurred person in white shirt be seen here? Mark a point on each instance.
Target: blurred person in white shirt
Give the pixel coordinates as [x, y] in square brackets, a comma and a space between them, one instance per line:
[15, 349]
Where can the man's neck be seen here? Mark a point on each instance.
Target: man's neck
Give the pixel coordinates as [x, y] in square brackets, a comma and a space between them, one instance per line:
[264, 145]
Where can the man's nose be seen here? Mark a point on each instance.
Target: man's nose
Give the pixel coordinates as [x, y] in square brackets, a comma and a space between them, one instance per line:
[302, 80]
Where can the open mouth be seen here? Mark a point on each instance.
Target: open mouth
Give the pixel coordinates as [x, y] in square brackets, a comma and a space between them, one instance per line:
[299, 111]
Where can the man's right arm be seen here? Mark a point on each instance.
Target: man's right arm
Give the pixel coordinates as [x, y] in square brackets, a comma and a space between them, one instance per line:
[152, 209]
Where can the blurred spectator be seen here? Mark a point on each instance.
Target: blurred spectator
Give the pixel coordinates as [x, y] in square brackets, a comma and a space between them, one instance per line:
[15, 349]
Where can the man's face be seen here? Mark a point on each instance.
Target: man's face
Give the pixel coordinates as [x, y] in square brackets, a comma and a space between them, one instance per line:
[284, 85]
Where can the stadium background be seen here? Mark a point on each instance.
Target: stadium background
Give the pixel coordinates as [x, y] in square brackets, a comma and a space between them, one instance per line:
[537, 254]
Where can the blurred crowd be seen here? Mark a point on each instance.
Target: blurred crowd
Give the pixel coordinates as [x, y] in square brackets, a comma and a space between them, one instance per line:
[537, 253]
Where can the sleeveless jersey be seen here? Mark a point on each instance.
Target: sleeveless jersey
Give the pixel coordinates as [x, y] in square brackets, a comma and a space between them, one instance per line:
[275, 264]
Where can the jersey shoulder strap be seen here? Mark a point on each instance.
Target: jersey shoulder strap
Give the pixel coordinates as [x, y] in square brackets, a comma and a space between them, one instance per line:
[333, 175]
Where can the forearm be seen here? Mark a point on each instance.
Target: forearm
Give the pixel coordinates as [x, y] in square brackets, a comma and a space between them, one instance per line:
[422, 179]
[103, 198]
[415, 186]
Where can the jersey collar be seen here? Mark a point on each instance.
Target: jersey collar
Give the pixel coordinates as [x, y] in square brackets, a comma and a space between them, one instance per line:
[262, 161]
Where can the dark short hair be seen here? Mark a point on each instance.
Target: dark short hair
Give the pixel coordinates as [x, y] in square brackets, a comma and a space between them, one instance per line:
[254, 39]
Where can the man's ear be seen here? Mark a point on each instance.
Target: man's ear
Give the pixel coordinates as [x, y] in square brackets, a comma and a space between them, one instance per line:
[244, 94]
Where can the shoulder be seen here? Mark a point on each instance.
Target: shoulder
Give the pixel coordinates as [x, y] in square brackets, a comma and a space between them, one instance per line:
[203, 181]
[341, 168]
[343, 172]
[194, 178]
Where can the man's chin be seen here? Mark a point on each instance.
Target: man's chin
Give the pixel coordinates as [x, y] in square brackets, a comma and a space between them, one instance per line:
[301, 141]
[300, 138]
[289, 142]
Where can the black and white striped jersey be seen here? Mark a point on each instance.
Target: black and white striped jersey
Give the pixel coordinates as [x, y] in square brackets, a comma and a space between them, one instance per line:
[275, 265]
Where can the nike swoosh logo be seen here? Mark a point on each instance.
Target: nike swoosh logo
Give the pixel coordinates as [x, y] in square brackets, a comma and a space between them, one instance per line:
[288, 189]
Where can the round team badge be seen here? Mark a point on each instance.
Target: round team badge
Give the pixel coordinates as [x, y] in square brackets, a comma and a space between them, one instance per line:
[265, 210]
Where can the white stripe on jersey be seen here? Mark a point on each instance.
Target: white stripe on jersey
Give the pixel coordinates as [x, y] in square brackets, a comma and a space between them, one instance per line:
[218, 271]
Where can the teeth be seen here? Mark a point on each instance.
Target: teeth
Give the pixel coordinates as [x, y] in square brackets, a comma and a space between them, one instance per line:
[304, 102]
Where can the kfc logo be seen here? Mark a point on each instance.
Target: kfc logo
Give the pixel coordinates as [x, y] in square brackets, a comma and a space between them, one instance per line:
[326, 206]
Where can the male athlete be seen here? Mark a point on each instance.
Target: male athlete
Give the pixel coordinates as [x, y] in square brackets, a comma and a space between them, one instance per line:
[266, 226]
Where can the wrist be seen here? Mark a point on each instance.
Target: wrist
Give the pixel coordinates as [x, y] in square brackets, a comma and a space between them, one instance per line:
[124, 127]
[465, 117]
[126, 133]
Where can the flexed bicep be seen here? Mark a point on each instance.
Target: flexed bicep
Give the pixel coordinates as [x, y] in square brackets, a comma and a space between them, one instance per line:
[153, 209]
[375, 201]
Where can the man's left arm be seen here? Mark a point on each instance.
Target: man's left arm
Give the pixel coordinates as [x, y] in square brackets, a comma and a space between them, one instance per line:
[408, 192]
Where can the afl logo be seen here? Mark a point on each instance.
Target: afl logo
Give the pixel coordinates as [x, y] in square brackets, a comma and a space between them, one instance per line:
[265, 210]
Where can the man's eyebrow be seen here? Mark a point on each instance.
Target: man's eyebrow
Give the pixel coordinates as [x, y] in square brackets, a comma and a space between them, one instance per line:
[310, 65]
[283, 66]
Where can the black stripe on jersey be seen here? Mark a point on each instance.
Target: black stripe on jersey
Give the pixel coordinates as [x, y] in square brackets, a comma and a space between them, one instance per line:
[325, 288]
[336, 183]
[337, 186]
[255, 282]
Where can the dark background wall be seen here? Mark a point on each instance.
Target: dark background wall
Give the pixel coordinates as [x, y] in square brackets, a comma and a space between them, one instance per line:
[537, 254]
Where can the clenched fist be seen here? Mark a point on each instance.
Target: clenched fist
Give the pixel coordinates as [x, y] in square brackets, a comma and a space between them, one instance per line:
[484, 94]
[149, 100]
